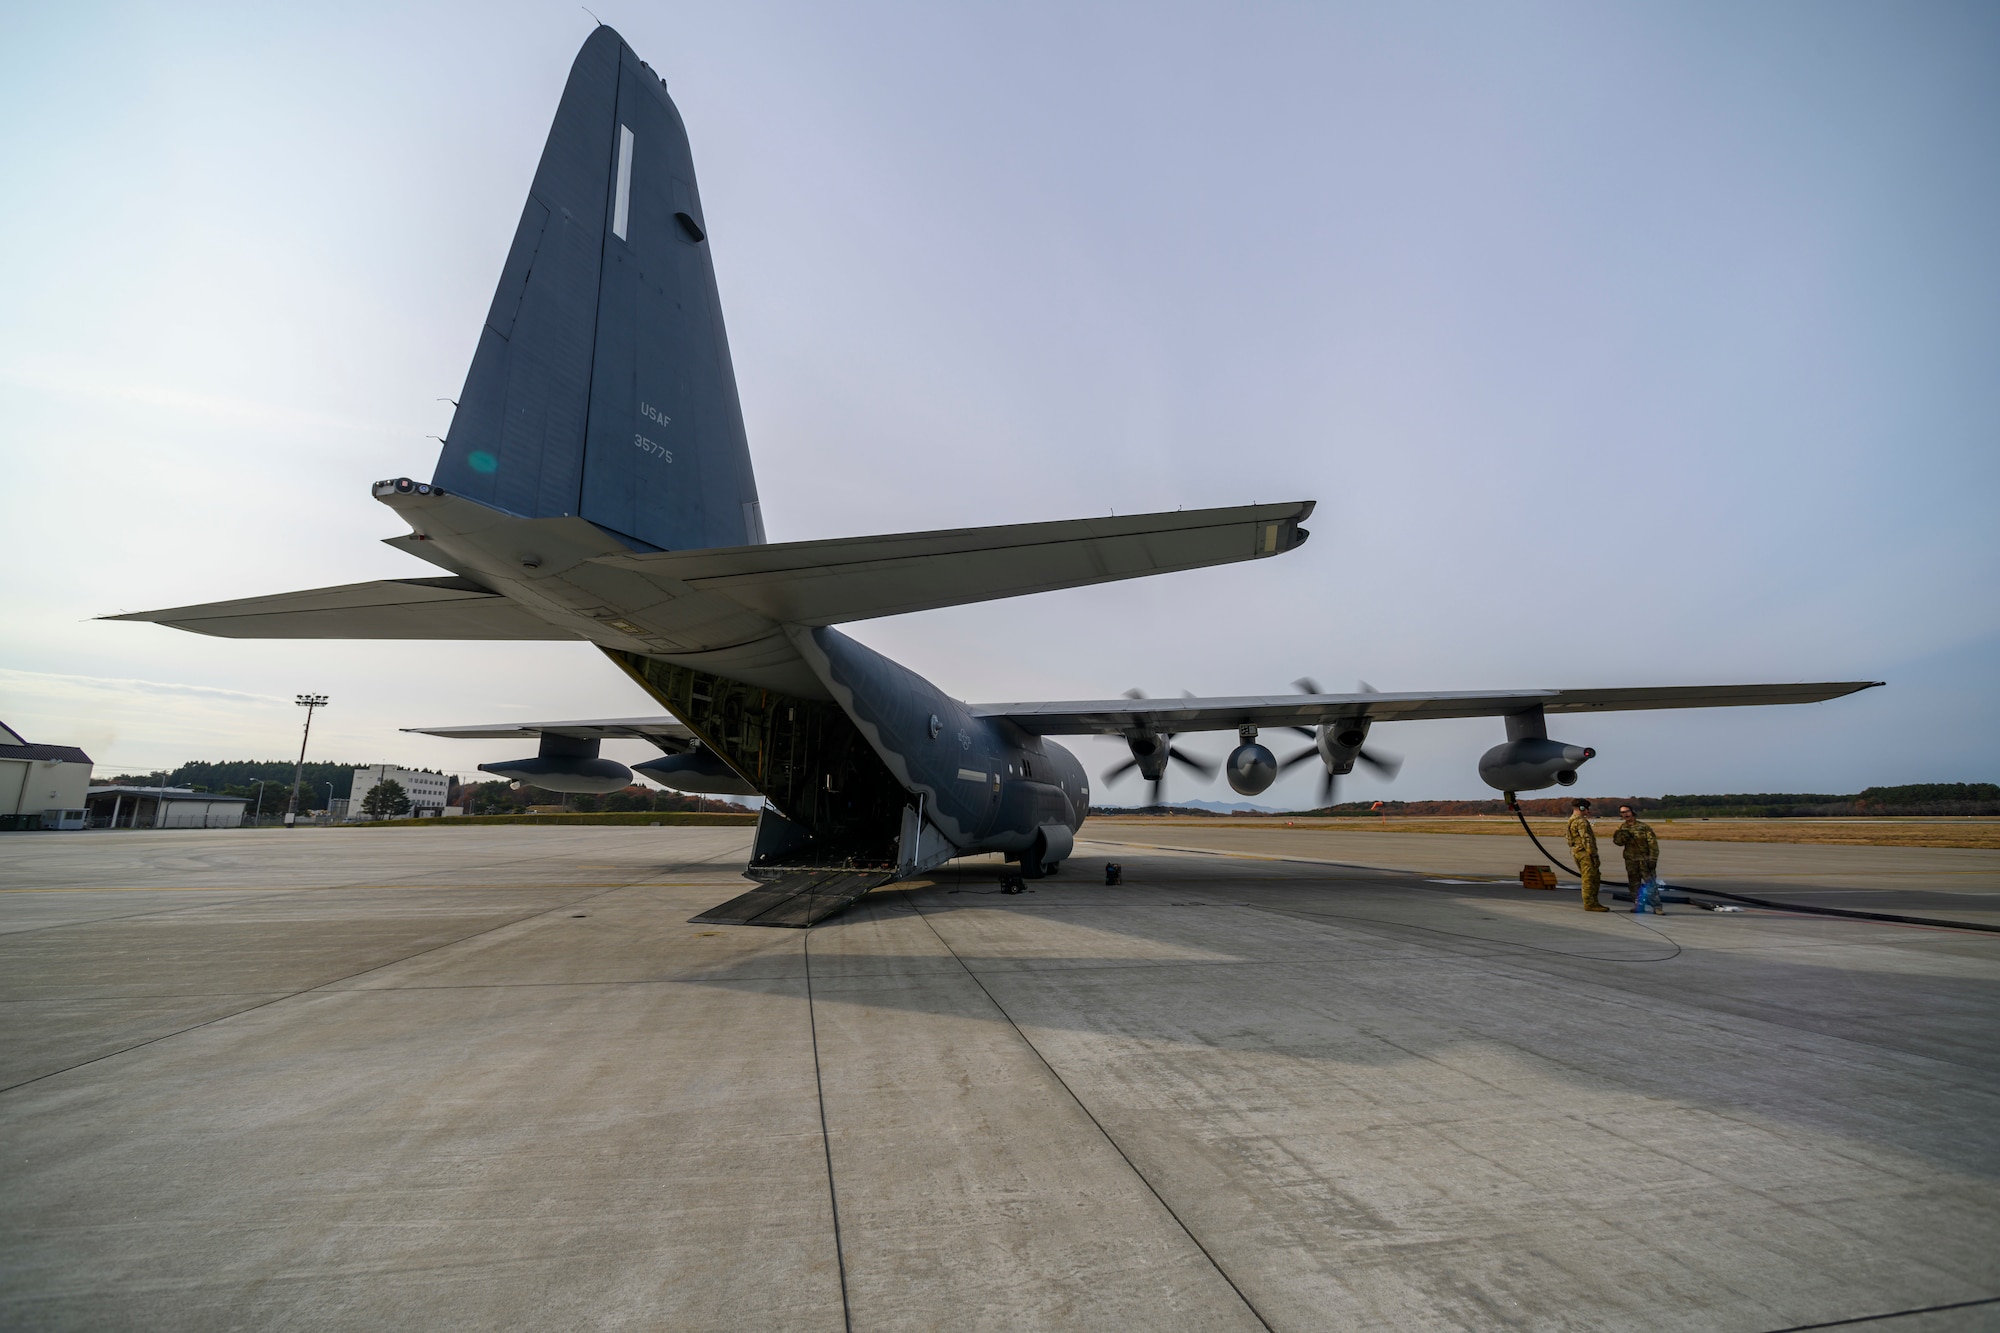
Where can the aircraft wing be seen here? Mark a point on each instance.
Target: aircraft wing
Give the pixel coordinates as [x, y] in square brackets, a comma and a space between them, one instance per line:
[859, 578]
[1115, 716]
[662, 731]
[443, 608]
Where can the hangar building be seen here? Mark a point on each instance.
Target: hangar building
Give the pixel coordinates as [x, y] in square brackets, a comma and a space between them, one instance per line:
[41, 786]
[164, 807]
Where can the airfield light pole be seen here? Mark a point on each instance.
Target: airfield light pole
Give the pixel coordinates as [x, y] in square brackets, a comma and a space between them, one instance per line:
[257, 806]
[307, 702]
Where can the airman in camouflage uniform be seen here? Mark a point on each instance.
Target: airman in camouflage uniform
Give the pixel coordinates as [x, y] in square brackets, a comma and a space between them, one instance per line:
[1642, 859]
[1583, 846]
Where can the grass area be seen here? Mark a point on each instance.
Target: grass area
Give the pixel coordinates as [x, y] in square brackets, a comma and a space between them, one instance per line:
[1944, 832]
[642, 818]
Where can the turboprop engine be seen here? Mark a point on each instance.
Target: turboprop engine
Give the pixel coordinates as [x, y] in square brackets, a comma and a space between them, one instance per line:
[1338, 745]
[1529, 760]
[1151, 752]
[566, 763]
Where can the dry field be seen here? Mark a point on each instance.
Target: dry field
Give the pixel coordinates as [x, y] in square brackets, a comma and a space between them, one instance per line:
[1851, 832]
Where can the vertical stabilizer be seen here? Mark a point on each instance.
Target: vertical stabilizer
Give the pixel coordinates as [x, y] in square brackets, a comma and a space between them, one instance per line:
[602, 385]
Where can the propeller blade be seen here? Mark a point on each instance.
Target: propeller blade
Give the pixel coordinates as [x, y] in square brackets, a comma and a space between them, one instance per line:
[1160, 788]
[1307, 731]
[1310, 752]
[1307, 685]
[1208, 768]
[1388, 765]
[1366, 688]
[1327, 782]
[1117, 771]
[1135, 693]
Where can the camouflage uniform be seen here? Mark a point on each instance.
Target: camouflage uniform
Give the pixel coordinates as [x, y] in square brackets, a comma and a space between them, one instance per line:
[1642, 858]
[1583, 846]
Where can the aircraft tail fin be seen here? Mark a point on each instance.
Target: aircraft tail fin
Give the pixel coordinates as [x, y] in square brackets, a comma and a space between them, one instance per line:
[601, 385]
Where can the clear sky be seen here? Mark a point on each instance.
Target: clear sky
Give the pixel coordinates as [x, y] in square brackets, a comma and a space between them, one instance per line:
[1620, 344]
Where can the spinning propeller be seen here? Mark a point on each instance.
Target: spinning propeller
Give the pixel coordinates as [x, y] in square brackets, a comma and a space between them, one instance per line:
[1147, 745]
[1331, 747]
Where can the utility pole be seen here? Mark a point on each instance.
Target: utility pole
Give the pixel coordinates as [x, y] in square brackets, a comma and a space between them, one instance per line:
[307, 702]
[257, 807]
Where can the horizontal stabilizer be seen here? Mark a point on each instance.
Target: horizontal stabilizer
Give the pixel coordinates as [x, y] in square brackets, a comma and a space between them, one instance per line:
[859, 578]
[445, 608]
[1112, 716]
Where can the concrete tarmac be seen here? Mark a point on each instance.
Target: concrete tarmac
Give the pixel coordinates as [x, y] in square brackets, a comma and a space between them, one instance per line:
[486, 1078]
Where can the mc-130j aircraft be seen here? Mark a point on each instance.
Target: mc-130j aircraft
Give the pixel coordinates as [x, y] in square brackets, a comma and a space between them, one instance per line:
[596, 485]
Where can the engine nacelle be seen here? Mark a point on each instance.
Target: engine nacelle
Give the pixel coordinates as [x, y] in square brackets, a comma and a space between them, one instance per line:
[566, 763]
[1531, 763]
[1149, 752]
[1340, 743]
[1251, 768]
[697, 771]
[1053, 844]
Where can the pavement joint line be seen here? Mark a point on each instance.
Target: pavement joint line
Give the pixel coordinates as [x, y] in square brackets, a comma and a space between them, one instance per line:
[107, 999]
[277, 893]
[307, 990]
[1771, 1017]
[1893, 1314]
[1477, 939]
[1397, 870]
[1252, 856]
[825, 1139]
[325, 888]
[1063, 1083]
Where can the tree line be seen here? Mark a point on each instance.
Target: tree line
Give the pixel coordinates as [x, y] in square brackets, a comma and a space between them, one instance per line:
[239, 777]
[1922, 798]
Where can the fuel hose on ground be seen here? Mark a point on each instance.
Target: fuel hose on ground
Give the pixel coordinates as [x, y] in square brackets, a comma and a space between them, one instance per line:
[1849, 912]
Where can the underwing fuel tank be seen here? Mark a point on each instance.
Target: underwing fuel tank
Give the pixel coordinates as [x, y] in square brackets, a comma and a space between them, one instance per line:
[566, 763]
[1530, 765]
[1530, 761]
[696, 771]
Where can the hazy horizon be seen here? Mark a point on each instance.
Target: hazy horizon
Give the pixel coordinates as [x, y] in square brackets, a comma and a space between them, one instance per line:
[1646, 345]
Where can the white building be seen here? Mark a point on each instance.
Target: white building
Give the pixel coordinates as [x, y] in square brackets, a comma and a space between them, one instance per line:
[41, 786]
[426, 789]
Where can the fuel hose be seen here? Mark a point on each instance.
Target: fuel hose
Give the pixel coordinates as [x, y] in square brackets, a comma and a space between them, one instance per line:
[1848, 912]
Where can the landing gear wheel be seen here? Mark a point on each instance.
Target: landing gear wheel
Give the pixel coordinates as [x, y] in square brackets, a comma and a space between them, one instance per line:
[1051, 867]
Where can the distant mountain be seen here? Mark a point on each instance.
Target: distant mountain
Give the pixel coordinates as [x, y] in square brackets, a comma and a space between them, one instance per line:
[1231, 807]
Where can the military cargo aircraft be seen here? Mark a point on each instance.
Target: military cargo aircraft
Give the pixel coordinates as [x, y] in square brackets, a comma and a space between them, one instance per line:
[596, 485]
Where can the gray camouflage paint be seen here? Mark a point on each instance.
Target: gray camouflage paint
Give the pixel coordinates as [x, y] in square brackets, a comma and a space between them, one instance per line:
[987, 785]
